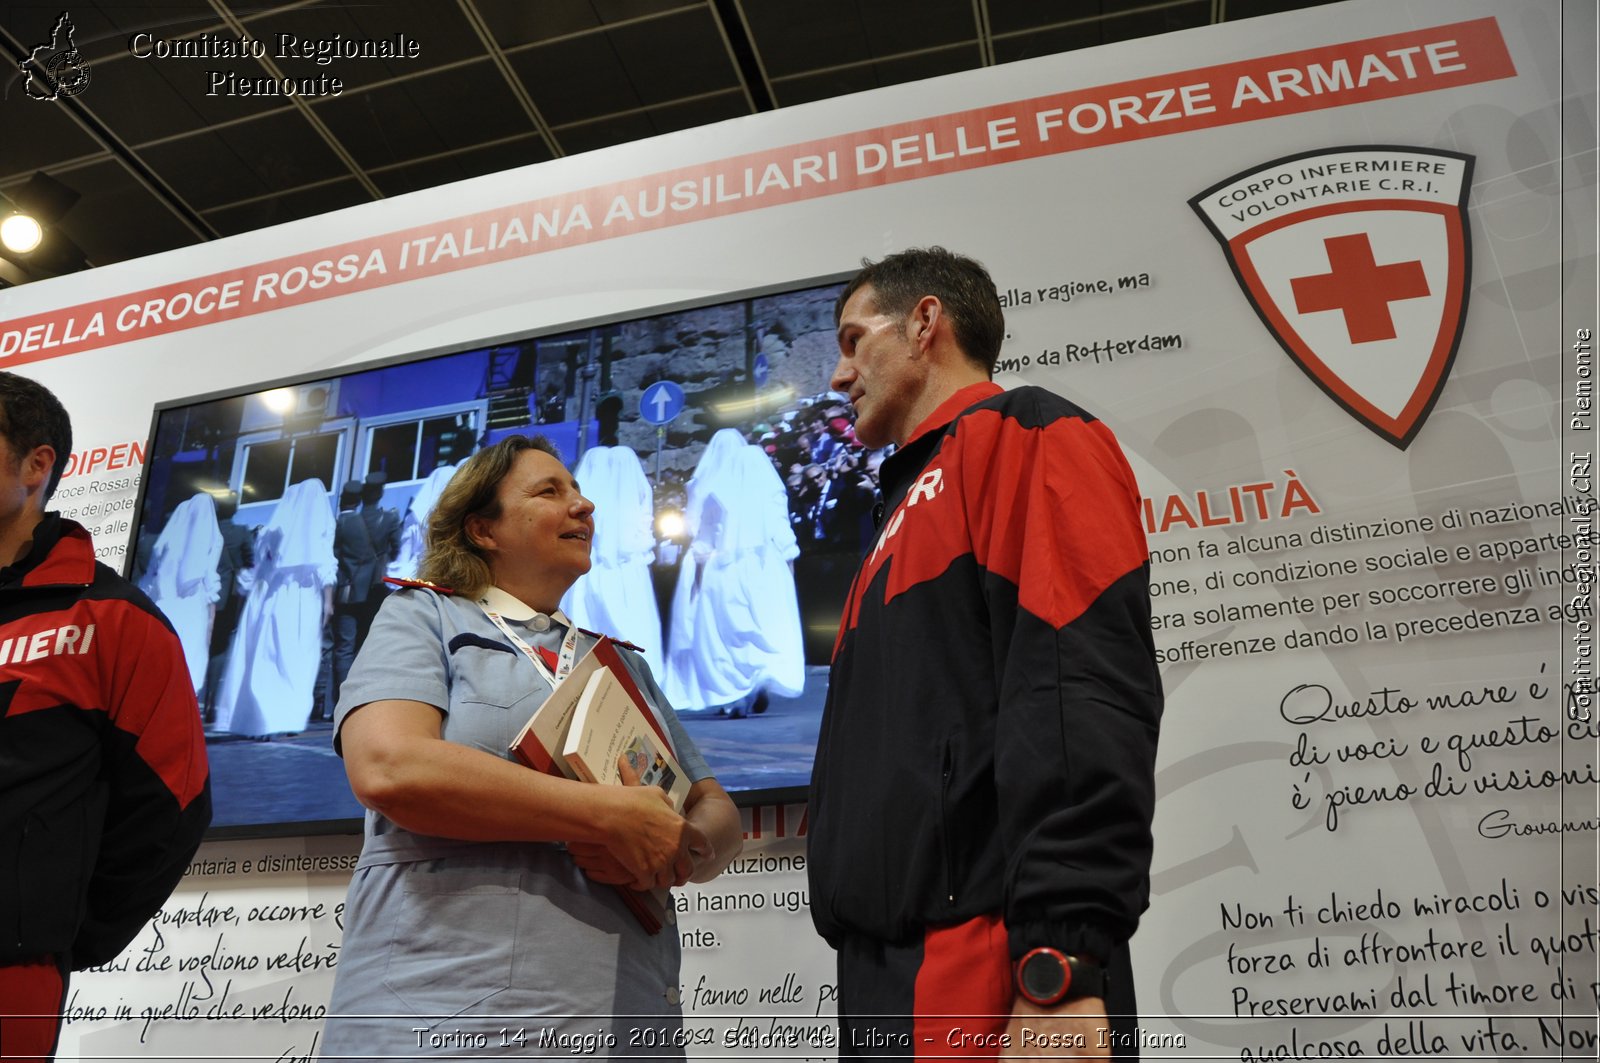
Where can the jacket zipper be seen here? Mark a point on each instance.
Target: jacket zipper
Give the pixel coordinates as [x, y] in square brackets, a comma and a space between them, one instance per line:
[944, 821]
[22, 847]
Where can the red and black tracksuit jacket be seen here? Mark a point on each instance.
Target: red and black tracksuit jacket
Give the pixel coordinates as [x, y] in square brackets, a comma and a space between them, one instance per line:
[985, 772]
[104, 792]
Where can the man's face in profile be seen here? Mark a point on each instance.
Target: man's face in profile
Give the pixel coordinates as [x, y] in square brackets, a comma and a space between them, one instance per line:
[878, 369]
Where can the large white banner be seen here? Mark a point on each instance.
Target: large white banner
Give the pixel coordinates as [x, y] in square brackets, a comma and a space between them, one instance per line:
[1330, 276]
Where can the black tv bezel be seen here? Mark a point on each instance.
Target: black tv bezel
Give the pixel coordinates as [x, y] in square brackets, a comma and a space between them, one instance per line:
[768, 796]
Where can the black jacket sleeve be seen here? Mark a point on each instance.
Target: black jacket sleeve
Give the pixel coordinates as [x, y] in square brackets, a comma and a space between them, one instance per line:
[159, 787]
[1056, 530]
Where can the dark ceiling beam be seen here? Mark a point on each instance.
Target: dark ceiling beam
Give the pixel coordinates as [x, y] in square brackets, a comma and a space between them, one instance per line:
[741, 45]
[579, 123]
[490, 45]
[874, 60]
[980, 17]
[1105, 16]
[601, 29]
[334, 144]
[12, 275]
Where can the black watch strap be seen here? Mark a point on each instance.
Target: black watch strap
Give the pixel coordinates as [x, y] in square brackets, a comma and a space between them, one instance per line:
[1047, 976]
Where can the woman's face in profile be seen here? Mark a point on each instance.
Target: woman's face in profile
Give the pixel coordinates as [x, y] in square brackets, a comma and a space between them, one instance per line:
[544, 519]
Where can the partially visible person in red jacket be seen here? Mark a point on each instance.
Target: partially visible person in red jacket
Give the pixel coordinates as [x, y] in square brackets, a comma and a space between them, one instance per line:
[104, 791]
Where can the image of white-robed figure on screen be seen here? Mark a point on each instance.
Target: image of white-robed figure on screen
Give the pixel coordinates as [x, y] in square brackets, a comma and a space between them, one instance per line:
[616, 597]
[182, 579]
[272, 668]
[414, 524]
[735, 629]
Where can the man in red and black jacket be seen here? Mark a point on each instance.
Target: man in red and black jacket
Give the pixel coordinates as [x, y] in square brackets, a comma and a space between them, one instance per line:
[104, 792]
[984, 786]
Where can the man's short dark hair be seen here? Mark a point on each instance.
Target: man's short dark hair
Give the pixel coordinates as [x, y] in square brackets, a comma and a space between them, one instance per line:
[30, 416]
[961, 284]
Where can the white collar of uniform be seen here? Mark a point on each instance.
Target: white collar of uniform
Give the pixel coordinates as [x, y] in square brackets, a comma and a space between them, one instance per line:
[511, 607]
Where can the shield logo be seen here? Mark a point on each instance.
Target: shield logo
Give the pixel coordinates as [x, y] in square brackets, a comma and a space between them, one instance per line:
[1356, 260]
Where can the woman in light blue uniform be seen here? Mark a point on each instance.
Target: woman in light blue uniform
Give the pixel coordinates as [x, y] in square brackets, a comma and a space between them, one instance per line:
[482, 918]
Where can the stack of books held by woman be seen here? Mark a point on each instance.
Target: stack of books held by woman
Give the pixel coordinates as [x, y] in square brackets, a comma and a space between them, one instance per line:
[595, 719]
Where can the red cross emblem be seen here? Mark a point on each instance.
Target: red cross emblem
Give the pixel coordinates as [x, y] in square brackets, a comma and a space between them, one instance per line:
[1357, 261]
[1360, 288]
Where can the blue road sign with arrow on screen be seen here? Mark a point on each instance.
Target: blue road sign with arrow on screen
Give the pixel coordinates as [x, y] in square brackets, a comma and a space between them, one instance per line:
[661, 402]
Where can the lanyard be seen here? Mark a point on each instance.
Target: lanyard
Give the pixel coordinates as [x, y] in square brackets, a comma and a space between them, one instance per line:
[569, 645]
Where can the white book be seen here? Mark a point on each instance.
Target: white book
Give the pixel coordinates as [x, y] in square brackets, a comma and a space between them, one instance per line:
[608, 724]
[539, 743]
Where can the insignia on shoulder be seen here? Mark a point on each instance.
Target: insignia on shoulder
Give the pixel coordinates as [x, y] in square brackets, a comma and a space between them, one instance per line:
[614, 640]
[416, 583]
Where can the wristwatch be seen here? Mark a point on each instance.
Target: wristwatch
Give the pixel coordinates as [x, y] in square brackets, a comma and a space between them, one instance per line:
[1046, 977]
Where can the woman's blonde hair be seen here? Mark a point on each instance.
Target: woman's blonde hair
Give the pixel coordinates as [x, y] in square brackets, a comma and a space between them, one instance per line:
[452, 559]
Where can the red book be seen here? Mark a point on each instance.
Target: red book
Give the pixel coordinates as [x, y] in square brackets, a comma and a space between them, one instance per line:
[539, 745]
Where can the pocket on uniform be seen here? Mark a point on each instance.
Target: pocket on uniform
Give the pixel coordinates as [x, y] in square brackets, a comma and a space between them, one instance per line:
[454, 939]
[494, 677]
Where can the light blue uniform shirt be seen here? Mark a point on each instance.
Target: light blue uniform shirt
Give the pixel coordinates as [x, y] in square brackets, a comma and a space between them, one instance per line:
[466, 938]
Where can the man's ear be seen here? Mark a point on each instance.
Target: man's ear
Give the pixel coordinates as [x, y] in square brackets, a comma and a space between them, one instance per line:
[38, 465]
[925, 319]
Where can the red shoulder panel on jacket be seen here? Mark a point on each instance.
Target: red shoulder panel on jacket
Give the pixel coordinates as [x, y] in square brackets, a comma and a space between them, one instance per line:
[1052, 508]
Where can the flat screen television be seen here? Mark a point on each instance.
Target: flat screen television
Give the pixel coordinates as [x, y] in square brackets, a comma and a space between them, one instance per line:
[241, 489]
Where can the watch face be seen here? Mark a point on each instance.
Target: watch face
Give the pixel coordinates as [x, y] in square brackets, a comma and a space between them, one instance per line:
[1043, 976]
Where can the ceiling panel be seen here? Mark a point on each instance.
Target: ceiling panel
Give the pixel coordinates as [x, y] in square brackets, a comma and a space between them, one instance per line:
[117, 217]
[443, 111]
[492, 158]
[577, 79]
[652, 121]
[824, 84]
[1238, 9]
[1049, 40]
[518, 22]
[36, 134]
[1155, 21]
[291, 206]
[275, 152]
[440, 31]
[101, 29]
[620, 129]
[789, 42]
[614, 11]
[628, 67]
[669, 117]
[1010, 16]
[793, 38]
[149, 99]
[669, 58]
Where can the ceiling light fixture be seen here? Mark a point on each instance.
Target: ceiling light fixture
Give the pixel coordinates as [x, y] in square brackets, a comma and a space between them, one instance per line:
[20, 233]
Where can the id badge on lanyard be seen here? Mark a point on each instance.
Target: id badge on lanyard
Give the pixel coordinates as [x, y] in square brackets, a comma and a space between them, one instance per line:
[569, 645]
